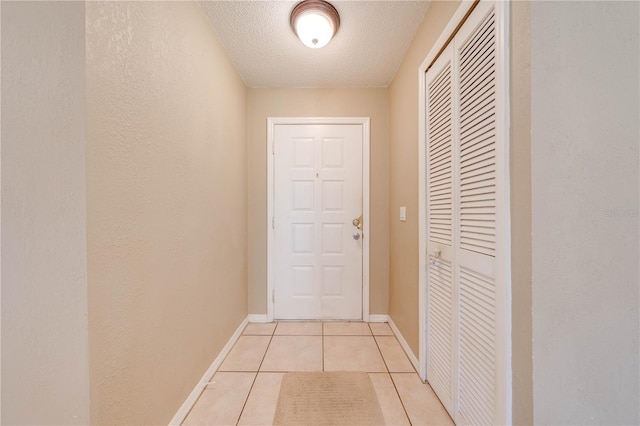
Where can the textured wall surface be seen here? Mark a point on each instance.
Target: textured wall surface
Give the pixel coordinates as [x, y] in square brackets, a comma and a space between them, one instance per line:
[585, 192]
[44, 274]
[403, 172]
[166, 213]
[520, 182]
[263, 103]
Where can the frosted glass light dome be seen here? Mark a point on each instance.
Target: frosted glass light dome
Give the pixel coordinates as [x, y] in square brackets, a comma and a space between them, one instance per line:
[314, 29]
[315, 22]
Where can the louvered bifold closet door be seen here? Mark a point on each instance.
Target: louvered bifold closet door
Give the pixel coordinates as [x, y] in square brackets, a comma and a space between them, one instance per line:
[439, 143]
[475, 219]
[467, 303]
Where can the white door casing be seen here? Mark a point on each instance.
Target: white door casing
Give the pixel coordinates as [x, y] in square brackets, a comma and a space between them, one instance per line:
[464, 228]
[318, 183]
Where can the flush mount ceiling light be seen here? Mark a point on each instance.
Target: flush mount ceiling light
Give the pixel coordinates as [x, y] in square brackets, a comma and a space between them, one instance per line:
[315, 22]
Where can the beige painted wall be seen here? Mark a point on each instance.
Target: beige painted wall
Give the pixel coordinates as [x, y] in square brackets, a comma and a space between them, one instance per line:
[45, 371]
[520, 182]
[585, 104]
[403, 174]
[263, 103]
[166, 205]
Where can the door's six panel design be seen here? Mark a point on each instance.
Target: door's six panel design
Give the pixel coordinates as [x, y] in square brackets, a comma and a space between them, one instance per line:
[332, 195]
[332, 238]
[303, 281]
[302, 238]
[332, 281]
[303, 195]
[332, 153]
[303, 153]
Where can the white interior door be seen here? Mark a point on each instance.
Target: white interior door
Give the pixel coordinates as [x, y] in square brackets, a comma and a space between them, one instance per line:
[317, 195]
[465, 149]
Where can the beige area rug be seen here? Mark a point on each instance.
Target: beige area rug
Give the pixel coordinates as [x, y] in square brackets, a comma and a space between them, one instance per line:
[321, 398]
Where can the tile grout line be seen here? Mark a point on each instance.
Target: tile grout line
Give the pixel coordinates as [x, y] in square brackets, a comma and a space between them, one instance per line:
[391, 377]
[406, 413]
[380, 351]
[244, 405]
[413, 369]
[206, 385]
[393, 382]
[350, 335]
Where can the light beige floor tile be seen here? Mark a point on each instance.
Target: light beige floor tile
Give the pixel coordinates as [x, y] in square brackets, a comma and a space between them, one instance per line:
[259, 329]
[393, 354]
[294, 353]
[352, 353]
[346, 329]
[421, 403]
[380, 329]
[222, 400]
[390, 404]
[299, 329]
[261, 405]
[246, 354]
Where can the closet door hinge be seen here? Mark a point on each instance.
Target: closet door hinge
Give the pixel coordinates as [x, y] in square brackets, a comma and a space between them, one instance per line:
[273, 222]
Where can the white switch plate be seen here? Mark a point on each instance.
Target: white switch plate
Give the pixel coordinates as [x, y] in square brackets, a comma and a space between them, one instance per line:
[403, 214]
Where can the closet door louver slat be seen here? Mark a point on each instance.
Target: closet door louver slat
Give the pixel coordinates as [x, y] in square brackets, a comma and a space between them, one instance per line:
[477, 225]
[439, 94]
[440, 100]
[478, 163]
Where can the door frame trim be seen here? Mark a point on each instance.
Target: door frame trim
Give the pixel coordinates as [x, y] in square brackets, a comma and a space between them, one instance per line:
[272, 122]
[502, 208]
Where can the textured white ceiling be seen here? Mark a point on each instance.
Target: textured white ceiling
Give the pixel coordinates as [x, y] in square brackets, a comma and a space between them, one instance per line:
[366, 52]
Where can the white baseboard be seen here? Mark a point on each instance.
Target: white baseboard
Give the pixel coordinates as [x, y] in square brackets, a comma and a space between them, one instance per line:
[258, 318]
[404, 345]
[378, 318]
[183, 411]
